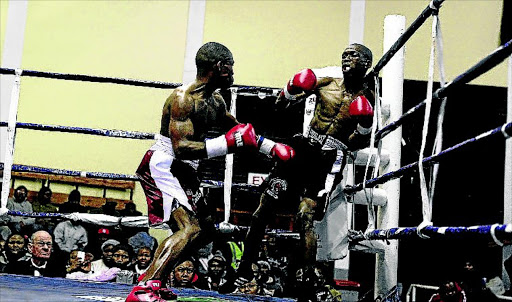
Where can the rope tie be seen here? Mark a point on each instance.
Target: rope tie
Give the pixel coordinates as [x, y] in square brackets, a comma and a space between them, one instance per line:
[493, 235]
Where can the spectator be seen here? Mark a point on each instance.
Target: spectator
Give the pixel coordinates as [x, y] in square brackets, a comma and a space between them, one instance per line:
[203, 255]
[15, 249]
[324, 292]
[252, 288]
[40, 264]
[143, 258]
[143, 239]
[106, 262]
[130, 210]
[268, 280]
[100, 235]
[70, 235]
[220, 276]
[123, 255]
[473, 283]
[43, 205]
[449, 291]
[79, 265]
[73, 204]
[109, 208]
[20, 203]
[185, 275]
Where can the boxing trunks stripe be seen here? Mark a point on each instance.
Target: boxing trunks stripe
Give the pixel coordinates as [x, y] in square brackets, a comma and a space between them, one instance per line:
[163, 191]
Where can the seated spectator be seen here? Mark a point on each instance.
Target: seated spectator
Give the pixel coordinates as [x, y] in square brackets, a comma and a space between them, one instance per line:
[109, 208]
[143, 258]
[473, 283]
[303, 286]
[143, 239]
[79, 265]
[40, 264]
[130, 209]
[70, 235]
[99, 236]
[220, 276]
[268, 280]
[19, 202]
[324, 292]
[251, 288]
[43, 205]
[202, 256]
[123, 255]
[73, 204]
[184, 274]
[107, 261]
[449, 291]
[15, 249]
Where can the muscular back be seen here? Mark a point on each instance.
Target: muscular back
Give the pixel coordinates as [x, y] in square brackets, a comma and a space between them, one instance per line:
[331, 115]
[188, 113]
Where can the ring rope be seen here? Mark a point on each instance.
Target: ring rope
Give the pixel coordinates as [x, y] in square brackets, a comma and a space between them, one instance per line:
[205, 183]
[89, 78]
[484, 65]
[502, 232]
[250, 90]
[506, 130]
[138, 221]
[83, 130]
[433, 6]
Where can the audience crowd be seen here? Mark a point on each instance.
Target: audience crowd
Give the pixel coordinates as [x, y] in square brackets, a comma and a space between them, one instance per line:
[81, 251]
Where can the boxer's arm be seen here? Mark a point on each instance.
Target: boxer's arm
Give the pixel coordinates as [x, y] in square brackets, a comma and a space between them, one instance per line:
[298, 87]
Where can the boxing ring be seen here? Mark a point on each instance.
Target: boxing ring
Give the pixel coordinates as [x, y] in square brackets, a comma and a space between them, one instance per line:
[26, 288]
[68, 290]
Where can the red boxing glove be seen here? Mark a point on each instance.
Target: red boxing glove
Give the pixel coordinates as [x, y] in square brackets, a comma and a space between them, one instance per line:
[302, 82]
[361, 108]
[276, 150]
[242, 135]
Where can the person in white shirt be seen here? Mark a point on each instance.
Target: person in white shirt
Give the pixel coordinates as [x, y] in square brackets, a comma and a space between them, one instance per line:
[70, 235]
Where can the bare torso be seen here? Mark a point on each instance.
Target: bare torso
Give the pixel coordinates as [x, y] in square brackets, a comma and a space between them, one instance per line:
[331, 115]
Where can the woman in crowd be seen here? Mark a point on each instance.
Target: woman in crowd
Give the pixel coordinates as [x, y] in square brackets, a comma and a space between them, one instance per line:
[15, 249]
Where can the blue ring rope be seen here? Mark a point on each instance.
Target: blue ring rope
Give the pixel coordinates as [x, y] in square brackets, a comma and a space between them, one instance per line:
[502, 232]
[83, 130]
[484, 65]
[432, 8]
[400, 172]
[25, 168]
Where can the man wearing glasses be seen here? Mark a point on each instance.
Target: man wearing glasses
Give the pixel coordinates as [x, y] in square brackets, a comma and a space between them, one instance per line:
[40, 264]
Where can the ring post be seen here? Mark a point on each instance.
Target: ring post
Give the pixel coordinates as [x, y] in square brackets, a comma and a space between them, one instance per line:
[507, 200]
[386, 267]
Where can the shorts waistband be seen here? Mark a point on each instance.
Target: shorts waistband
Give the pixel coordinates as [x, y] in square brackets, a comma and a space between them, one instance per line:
[326, 141]
[164, 144]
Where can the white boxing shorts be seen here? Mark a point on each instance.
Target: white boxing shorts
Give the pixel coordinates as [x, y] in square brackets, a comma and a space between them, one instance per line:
[163, 190]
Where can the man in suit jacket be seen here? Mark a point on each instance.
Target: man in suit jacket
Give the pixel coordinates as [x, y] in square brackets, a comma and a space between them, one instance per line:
[40, 264]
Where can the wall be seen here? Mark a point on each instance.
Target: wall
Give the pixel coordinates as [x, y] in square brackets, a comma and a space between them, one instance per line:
[146, 40]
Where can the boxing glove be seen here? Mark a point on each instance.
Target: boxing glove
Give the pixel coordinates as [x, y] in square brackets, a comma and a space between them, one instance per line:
[299, 84]
[275, 150]
[240, 136]
[361, 109]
